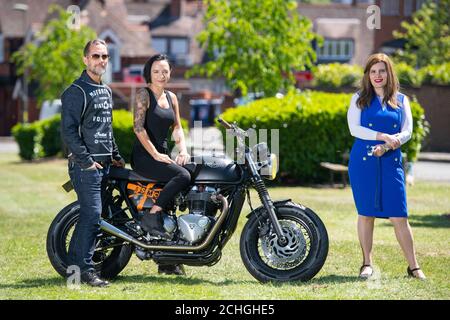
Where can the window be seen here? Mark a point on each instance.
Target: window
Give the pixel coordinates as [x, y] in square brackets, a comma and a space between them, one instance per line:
[2, 49]
[160, 45]
[408, 7]
[420, 3]
[114, 57]
[339, 50]
[179, 46]
[390, 7]
[114, 45]
[176, 48]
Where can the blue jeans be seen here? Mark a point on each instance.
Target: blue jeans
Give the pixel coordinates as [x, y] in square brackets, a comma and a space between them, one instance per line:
[89, 186]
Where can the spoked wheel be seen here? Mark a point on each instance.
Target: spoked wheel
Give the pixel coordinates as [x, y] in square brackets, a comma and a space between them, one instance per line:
[111, 254]
[300, 259]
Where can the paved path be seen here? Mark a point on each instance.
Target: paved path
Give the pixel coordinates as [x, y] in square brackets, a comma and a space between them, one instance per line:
[432, 171]
[8, 144]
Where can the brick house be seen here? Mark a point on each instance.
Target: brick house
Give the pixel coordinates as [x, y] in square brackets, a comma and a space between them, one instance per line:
[343, 27]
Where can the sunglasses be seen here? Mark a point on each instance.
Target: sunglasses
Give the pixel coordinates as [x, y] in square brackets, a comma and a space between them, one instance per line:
[96, 56]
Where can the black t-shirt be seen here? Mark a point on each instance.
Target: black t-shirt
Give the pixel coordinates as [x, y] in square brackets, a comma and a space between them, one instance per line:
[158, 121]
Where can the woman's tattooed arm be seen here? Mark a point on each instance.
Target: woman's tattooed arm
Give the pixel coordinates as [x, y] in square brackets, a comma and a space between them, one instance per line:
[142, 102]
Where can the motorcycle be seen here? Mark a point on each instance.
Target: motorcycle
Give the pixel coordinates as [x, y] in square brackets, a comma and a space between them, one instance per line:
[281, 240]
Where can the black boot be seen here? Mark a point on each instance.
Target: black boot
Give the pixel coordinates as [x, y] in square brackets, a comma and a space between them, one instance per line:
[176, 269]
[92, 279]
[153, 224]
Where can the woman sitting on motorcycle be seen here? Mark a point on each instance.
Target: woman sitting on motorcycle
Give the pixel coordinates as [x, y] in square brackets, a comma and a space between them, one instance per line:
[156, 111]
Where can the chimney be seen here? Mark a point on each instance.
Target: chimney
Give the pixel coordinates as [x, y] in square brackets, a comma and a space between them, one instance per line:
[177, 8]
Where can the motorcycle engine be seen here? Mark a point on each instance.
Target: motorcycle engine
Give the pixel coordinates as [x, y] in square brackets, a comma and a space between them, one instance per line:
[194, 226]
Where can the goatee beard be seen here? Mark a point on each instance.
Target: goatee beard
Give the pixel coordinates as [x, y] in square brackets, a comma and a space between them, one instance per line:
[98, 71]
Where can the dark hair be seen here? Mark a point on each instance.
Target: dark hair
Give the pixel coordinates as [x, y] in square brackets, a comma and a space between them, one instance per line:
[88, 45]
[148, 65]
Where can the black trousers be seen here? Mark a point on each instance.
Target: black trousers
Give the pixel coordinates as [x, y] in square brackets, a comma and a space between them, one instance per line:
[175, 176]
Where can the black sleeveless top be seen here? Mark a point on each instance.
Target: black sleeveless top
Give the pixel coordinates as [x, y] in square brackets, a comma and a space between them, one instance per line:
[157, 123]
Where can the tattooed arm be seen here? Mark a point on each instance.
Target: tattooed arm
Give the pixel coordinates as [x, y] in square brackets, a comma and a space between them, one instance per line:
[140, 109]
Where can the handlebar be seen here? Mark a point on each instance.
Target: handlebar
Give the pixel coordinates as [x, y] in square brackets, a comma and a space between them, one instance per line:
[236, 130]
[225, 124]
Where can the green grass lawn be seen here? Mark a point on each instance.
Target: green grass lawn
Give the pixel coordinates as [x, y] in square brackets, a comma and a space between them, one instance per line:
[30, 197]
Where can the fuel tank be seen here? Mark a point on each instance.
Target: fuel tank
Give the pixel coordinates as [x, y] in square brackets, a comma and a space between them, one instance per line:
[215, 169]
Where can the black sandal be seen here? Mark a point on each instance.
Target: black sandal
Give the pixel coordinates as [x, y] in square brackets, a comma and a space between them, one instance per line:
[411, 273]
[361, 269]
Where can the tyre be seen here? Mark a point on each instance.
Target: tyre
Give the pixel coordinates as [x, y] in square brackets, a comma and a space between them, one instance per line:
[303, 256]
[109, 261]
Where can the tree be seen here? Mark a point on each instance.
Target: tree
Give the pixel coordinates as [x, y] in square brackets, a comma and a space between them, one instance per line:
[256, 45]
[54, 59]
[427, 36]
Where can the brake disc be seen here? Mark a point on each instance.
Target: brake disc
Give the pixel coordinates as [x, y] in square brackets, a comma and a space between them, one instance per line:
[289, 255]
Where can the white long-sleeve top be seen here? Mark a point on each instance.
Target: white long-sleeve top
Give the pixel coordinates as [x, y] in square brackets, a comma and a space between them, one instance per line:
[358, 131]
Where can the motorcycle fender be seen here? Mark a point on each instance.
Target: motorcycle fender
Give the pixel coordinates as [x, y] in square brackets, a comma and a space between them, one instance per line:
[279, 203]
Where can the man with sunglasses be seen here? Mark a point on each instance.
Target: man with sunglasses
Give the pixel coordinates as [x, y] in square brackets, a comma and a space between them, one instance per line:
[86, 128]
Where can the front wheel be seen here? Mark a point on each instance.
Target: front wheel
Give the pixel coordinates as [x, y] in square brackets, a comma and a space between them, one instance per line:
[299, 260]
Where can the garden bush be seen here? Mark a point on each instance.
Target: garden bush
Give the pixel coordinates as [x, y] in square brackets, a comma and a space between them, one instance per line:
[436, 74]
[51, 136]
[28, 136]
[123, 132]
[336, 75]
[407, 75]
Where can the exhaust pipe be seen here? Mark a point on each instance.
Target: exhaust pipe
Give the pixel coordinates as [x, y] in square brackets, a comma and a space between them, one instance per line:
[110, 229]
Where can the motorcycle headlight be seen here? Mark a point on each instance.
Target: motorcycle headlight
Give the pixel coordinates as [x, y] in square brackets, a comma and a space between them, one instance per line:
[272, 167]
[268, 160]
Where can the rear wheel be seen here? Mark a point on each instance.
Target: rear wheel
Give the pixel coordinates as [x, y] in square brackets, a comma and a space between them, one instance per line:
[111, 254]
[299, 260]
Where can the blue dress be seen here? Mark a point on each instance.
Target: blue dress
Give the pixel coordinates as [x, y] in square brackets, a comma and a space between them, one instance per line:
[378, 183]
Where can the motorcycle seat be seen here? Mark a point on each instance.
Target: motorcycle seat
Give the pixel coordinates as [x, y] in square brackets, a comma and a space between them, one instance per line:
[131, 175]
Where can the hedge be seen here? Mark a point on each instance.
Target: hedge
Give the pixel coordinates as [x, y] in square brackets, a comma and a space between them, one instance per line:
[43, 139]
[312, 128]
[28, 137]
[336, 75]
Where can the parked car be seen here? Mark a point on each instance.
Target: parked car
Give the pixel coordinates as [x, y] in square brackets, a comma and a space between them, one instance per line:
[133, 73]
[49, 108]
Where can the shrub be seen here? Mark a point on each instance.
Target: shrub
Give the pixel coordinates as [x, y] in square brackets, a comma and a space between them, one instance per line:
[28, 138]
[336, 75]
[51, 136]
[407, 75]
[436, 74]
[421, 128]
[312, 128]
[123, 132]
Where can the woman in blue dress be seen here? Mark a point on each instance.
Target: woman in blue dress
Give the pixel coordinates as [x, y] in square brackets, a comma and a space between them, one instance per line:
[380, 119]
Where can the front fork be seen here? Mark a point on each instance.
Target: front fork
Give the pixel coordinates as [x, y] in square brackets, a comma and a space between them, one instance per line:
[268, 205]
[264, 196]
